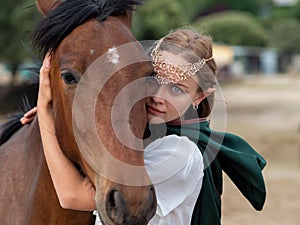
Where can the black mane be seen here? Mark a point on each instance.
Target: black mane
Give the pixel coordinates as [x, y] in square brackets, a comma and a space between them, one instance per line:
[60, 22]
[8, 128]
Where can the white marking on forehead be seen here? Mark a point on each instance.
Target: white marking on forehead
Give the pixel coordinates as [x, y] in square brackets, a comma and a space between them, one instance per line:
[92, 51]
[113, 55]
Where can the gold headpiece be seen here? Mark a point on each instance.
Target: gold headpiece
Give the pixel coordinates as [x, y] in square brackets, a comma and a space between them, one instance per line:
[167, 72]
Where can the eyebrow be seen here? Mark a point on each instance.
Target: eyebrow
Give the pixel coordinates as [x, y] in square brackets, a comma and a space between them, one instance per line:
[182, 85]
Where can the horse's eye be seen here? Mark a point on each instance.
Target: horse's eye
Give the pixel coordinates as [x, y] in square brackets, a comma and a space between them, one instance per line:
[69, 78]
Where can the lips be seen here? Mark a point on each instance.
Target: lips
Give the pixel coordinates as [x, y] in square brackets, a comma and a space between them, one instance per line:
[153, 110]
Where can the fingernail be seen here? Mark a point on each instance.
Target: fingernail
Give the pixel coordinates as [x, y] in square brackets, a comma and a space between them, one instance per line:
[47, 63]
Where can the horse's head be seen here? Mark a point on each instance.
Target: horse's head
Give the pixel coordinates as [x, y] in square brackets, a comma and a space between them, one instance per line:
[80, 33]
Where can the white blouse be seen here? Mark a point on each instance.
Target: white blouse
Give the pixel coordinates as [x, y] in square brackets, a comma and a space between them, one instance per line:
[175, 166]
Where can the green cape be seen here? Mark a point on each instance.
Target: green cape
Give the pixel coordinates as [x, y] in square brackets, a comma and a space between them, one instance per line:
[233, 155]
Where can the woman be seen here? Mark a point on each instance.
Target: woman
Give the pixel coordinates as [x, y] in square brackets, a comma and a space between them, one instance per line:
[180, 95]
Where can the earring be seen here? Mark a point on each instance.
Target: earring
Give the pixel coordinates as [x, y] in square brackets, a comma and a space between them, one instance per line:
[195, 107]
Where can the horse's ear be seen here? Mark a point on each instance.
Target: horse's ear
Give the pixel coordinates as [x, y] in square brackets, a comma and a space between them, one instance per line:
[45, 6]
[127, 18]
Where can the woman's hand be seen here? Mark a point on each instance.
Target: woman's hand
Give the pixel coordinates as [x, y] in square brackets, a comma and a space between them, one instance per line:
[29, 116]
[44, 103]
[44, 96]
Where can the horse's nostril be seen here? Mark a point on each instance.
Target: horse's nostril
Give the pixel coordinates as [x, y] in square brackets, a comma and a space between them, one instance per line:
[153, 202]
[130, 208]
[115, 207]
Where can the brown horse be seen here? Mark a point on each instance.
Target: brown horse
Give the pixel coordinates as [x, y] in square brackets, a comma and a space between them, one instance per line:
[77, 32]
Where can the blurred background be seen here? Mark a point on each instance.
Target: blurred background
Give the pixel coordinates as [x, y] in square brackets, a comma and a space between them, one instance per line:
[257, 49]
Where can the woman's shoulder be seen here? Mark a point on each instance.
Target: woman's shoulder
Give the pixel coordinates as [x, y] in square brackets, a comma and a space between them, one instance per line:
[171, 142]
[168, 155]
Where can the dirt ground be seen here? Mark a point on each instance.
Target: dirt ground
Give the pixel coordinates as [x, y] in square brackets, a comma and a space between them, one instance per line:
[266, 112]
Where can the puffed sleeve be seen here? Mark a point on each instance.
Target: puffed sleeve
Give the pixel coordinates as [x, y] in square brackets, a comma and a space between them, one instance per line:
[175, 166]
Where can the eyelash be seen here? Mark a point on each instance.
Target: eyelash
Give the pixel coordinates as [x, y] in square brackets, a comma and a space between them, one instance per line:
[173, 87]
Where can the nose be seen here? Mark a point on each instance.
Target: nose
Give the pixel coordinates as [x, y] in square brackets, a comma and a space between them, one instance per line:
[128, 207]
[159, 95]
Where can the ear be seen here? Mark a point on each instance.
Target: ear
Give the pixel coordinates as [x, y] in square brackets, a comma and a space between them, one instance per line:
[46, 6]
[127, 18]
[203, 95]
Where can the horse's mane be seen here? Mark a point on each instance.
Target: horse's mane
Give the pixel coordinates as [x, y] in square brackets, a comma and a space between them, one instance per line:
[8, 128]
[60, 22]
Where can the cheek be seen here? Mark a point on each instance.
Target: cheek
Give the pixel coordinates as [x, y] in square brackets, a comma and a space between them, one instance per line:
[178, 108]
[180, 103]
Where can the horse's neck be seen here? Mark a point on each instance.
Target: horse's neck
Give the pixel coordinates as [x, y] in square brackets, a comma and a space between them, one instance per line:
[46, 197]
[27, 194]
[22, 168]
[24, 146]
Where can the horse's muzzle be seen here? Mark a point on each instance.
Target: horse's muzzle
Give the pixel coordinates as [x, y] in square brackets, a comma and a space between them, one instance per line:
[135, 208]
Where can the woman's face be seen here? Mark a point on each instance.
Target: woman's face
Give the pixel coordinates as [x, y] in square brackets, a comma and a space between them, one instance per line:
[168, 102]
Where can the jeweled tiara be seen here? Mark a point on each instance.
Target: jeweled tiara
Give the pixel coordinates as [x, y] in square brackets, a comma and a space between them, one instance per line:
[167, 72]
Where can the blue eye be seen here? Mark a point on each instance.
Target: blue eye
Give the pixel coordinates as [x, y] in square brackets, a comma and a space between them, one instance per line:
[177, 89]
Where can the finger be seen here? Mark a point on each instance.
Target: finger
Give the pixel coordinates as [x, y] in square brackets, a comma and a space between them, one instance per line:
[22, 120]
[47, 60]
[25, 120]
[45, 96]
[45, 70]
[31, 112]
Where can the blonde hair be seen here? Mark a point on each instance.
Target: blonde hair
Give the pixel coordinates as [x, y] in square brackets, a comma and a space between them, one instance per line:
[192, 45]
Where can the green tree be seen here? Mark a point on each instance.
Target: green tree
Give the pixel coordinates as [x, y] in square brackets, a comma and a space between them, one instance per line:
[16, 22]
[282, 13]
[251, 6]
[284, 35]
[156, 18]
[296, 10]
[233, 28]
[191, 9]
